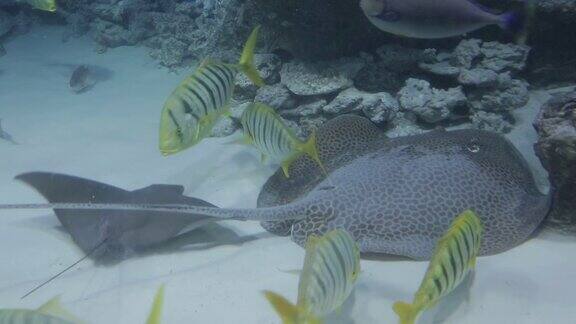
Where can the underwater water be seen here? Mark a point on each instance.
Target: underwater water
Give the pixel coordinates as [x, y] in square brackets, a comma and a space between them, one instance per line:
[442, 121]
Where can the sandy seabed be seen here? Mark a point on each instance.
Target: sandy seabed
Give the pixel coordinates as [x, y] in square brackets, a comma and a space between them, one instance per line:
[109, 134]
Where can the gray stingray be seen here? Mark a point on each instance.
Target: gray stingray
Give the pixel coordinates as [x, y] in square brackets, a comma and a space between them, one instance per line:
[395, 196]
[111, 235]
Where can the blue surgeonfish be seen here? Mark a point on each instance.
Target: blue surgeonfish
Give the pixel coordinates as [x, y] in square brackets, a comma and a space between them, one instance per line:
[431, 19]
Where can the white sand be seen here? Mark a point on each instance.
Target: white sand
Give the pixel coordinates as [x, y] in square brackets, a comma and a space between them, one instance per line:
[109, 134]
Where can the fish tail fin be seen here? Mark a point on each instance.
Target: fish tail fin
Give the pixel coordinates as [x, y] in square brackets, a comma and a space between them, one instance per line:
[156, 311]
[311, 149]
[406, 312]
[289, 313]
[512, 21]
[247, 59]
[54, 308]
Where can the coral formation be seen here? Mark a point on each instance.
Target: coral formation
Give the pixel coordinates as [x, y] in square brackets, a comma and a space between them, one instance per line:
[556, 148]
[404, 90]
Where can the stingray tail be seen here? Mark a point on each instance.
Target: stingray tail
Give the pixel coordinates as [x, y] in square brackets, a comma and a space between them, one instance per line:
[279, 213]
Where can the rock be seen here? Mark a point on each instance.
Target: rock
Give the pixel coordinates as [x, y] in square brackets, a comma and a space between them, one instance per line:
[490, 122]
[556, 148]
[298, 130]
[311, 124]
[493, 56]
[404, 125]
[6, 23]
[442, 68]
[478, 77]
[171, 52]
[224, 127]
[309, 79]
[77, 25]
[277, 96]
[22, 23]
[379, 107]
[346, 101]
[466, 53]
[508, 95]
[110, 35]
[311, 107]
[395, 65]
[472, 58]
[500, 57]
[236, 110]
[399, 58]
[430, 105]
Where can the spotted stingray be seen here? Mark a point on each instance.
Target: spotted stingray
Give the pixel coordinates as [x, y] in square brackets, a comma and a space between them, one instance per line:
[395, 196]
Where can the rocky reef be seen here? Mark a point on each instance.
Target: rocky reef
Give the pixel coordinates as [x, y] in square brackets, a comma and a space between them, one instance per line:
[404, 90]
[556, 148]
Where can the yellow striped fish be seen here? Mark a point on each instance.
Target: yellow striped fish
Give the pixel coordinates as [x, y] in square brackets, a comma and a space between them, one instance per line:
[53, 313]
[156, 312]
[264, 129]
[331, 267]
[197, 103]
[49, 313]
[454, 257]
[45, 5]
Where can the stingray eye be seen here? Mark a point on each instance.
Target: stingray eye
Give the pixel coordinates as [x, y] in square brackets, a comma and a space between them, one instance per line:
[473, 146]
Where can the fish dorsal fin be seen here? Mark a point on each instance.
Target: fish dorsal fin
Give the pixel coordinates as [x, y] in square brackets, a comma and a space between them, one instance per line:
[156, 311]
[53, 307]
[204, 62]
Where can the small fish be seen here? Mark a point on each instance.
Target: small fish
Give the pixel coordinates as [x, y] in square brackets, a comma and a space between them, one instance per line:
[79, 79]
[5, 136]
[51, 312]
[264, 129]
[432, 19]
[45, 5]
[331, 268]
[197, 103]
[454, 257]
[156, 311]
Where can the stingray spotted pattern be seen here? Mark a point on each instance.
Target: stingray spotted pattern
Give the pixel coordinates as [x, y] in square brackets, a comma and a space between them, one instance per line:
[395, 196]
[398, 196]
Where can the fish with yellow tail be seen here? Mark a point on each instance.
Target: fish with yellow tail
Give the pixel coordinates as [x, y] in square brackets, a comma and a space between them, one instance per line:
[264, 129]
[194, 107]
[331, 268]
[454, 257]
[51, 312]
[44, 5]
[156, 311]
